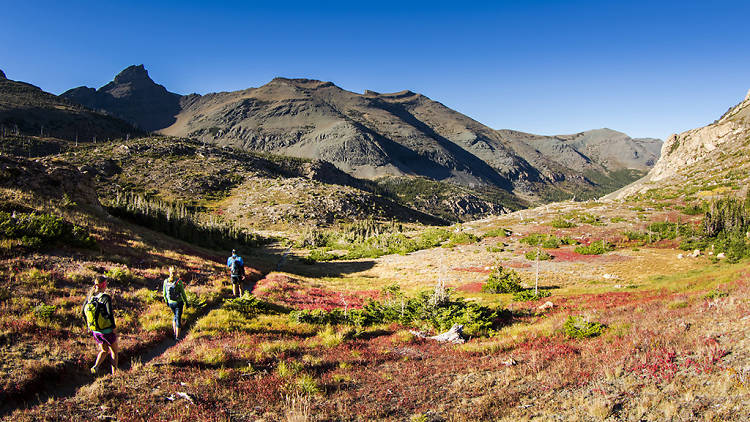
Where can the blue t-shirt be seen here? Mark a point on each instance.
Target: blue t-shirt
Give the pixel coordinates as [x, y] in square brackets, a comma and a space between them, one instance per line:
[232, 258]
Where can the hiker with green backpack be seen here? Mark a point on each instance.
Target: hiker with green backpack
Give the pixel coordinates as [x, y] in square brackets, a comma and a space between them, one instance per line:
[174, 295]
[97, 312]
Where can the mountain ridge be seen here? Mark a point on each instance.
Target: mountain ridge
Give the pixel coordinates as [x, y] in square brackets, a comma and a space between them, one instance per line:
[374, 134]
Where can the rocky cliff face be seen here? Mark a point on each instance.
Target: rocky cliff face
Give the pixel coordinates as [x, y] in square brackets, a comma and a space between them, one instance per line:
[705, 151]
[132, 96]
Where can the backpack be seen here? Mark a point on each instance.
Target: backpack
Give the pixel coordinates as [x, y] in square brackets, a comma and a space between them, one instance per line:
[172, 294]
[95, 313]
[237, 268]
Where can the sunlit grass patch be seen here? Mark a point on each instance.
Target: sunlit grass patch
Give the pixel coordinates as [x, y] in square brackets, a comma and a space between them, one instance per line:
[331, 337]
[278, 347]
[157, 317]
[222, 321]
[306, 384]
[210, 355]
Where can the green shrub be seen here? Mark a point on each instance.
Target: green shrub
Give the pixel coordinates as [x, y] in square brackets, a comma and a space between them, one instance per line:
[590, 219]
[534, 239]
[578, 327]
[562, 223]
[124, 276]
[541, 255]
[498, 232]
[547, 241]
[714, 294]
[595, 248]
[461, 238]
[425, 311]
[694, 209]
[320, 255]
[44, 312]
[635, 235]
[495, 249]
[36, 230]
[502, 280]
[528, 295]
[617, 219]
[247, 305]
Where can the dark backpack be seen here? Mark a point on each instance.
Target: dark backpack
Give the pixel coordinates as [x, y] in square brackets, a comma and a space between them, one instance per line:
[172, 294]
[237, 269]
[95, 314]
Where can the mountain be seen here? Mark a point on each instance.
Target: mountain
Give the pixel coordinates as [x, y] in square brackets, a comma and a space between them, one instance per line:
[27, 110]
[132, 96]
[373, 134]
[403, 133]
[710, 159]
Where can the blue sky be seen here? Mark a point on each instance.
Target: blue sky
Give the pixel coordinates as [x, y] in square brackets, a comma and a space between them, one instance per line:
[647, 68]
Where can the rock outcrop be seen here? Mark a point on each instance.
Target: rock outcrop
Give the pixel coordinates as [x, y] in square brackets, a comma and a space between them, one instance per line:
[703, 150]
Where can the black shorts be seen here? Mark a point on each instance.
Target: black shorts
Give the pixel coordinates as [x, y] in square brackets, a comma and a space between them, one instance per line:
[236, 279]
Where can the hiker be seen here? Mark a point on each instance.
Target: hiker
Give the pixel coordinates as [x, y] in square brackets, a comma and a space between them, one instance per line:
[97, 312]
[174, 295]
[236, 267]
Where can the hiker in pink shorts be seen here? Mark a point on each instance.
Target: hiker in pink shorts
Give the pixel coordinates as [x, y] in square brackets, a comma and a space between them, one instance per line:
[97, 311]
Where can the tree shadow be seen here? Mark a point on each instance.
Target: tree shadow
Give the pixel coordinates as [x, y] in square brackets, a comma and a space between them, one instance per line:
[328, 268]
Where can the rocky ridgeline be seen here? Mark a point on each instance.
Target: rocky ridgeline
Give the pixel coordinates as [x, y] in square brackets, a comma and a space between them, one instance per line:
[697, 148]
[377, 134]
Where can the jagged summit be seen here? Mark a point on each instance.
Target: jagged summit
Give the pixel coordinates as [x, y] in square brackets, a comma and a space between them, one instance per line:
[2, 75]
[132, 96]
[133, 74]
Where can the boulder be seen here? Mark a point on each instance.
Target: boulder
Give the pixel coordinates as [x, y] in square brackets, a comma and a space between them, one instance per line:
[545, 306]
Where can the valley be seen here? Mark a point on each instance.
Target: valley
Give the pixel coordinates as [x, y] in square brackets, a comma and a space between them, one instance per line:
[628, 307]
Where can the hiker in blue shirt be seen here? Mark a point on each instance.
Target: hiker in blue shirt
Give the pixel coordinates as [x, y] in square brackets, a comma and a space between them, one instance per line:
[236, 267]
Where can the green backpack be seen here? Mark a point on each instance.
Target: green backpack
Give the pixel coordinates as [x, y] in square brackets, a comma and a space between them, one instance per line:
[95, 313]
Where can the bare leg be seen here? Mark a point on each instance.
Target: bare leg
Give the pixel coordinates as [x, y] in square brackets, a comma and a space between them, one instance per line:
[175, 330]
[99, 358]
[113, 351]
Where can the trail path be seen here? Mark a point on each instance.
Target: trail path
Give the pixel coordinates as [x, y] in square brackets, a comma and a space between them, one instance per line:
[72, 378]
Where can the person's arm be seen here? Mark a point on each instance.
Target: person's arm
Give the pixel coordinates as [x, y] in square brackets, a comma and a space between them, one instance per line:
[183, 294]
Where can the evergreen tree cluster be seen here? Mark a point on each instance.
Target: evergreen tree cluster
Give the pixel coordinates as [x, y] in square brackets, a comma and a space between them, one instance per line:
[177, 220]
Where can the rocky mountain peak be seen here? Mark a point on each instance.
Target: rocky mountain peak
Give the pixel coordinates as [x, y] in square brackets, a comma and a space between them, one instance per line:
[2, 76]
[747, 97]
[133, 74]
[132, 96]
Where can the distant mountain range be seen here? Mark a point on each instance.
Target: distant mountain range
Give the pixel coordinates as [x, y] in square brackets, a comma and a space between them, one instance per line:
[372, 134]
